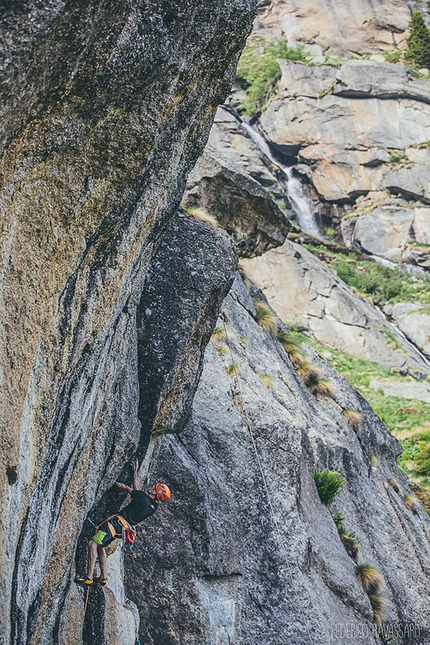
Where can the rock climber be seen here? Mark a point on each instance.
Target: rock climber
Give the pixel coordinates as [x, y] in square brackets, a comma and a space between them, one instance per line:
[142, 505]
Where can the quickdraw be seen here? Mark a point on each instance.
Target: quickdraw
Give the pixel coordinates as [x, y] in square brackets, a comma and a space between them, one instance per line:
[128, 538]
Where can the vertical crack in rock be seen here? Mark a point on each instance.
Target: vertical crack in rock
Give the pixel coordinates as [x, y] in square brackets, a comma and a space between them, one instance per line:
[187, 279]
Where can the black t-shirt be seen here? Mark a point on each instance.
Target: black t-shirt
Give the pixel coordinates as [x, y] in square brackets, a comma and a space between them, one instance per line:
[140, 507]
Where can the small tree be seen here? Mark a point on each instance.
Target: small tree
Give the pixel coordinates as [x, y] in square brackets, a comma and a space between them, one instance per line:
[418, 42]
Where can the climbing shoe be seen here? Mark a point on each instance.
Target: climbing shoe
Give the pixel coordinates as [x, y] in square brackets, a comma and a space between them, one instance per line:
[101, 581]
[85, 582]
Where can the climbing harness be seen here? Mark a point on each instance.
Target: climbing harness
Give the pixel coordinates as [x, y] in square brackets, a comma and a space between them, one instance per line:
[128, 532]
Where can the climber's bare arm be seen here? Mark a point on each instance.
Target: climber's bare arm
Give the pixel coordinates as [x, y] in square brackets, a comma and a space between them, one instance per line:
[135, 466]
[123, 487]
[136, 486]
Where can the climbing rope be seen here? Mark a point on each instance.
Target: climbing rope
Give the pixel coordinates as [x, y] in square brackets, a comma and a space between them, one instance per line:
[248, 424]
[254, 445]
[86, 603]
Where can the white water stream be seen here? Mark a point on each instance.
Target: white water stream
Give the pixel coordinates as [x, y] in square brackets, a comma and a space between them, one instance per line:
[299, 203]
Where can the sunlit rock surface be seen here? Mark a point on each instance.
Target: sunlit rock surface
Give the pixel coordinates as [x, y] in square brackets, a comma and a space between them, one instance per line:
[359, 128]
[338, 27]
[302, 289]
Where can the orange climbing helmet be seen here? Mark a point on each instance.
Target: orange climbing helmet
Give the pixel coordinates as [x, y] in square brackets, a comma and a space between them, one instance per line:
[162, 492]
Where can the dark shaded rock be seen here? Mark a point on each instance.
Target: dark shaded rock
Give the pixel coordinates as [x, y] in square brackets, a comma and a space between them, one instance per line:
[245, 551]
[189, 276]
[238, 202]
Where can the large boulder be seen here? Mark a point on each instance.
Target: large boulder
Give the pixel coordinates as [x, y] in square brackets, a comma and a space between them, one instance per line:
[414, 321]
[384, 231]
[414, 391]
[400, 233]
[238, 202]
[368, 78]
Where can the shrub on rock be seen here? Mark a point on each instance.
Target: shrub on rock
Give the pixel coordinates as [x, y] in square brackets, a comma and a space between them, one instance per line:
[329, 484]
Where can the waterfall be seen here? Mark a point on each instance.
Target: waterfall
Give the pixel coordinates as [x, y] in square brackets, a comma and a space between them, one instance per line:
[299, 203]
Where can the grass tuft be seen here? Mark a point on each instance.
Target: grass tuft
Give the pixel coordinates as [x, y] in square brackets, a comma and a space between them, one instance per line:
[350, 543]
[265, 317]
[233, 368]
[323, 388]
[202, 215]
[289, 343]
[411, 502]
[338, 519]
[292, 347]
[329, 484]
[268, 381]
[308, 373]
[353, 418]
[218, 334]
[369, 578]
[296, 358]
[348, 538]
[379, 605]
[374, 461]
[392, 481]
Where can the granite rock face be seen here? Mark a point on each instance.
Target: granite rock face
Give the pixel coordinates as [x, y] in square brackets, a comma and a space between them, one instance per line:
[341, 28]
[105, 108]
[360, 133]
[357, 126]
[109, 295]
[229, 138]
[245, 552]
[300, 287]
[297, 284]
